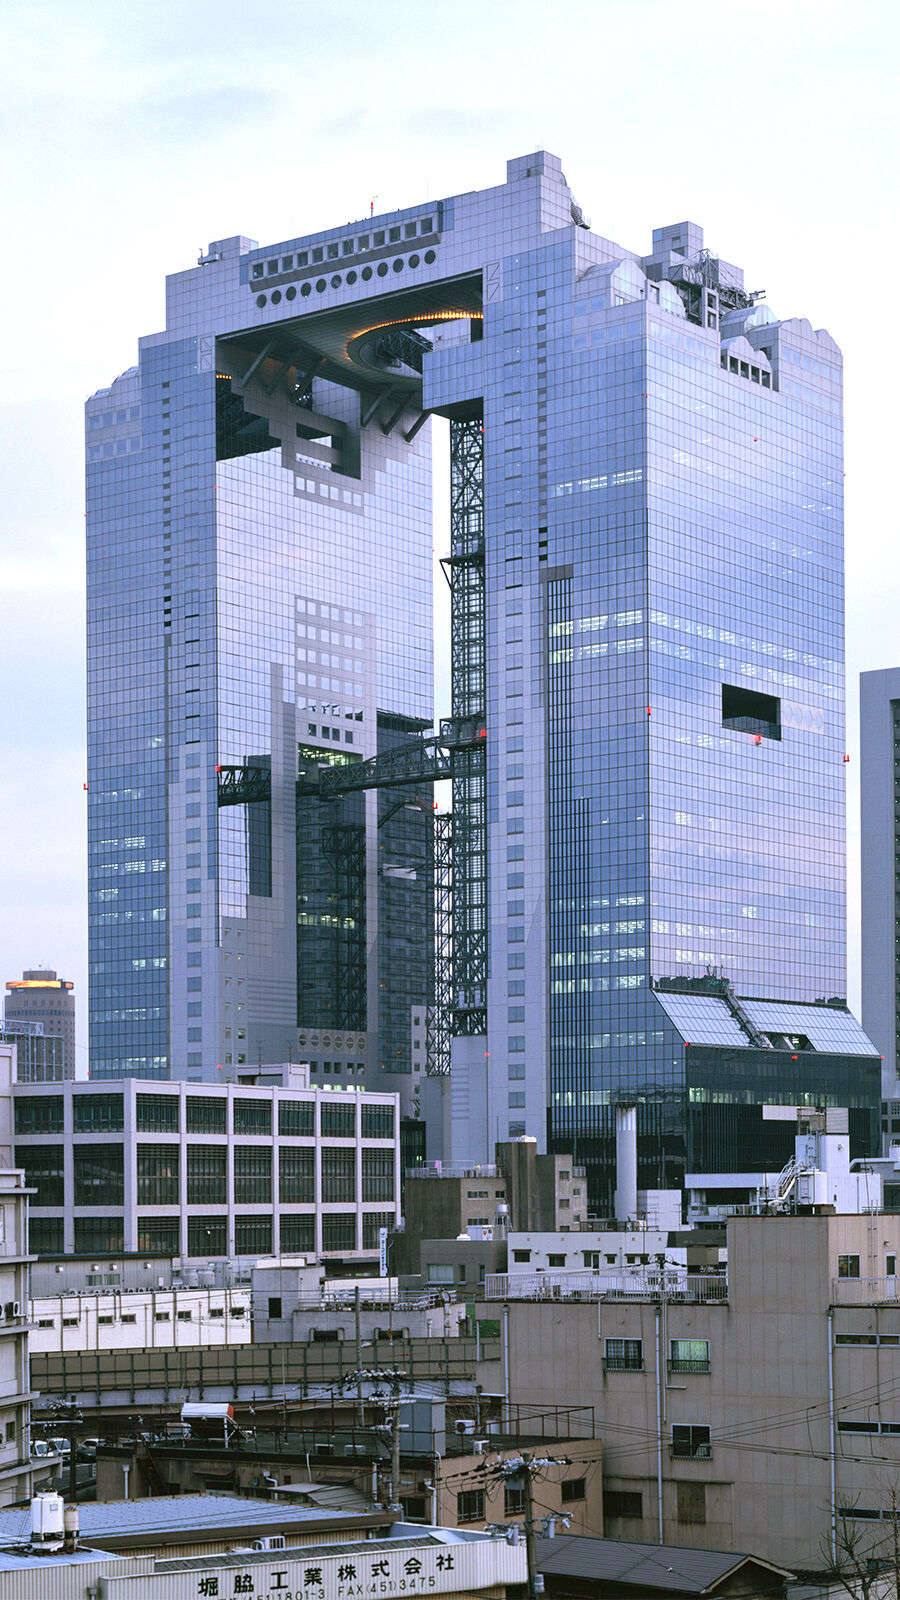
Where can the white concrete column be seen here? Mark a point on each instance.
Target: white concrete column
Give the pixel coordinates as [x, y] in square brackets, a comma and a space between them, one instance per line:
[626, 1163]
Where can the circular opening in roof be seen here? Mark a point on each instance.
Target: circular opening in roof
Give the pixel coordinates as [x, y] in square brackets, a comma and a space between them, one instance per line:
[414, 261]
[382, 269]
[260, 300]
[320, 285]
[429, 257]
[336, 281]
[351, 277]
[276, 296]
[399, 264]
[306, 288]
[291, 293]
[367, 273]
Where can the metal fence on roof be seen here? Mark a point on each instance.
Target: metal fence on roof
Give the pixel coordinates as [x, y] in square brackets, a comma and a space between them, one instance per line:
[647, 1285]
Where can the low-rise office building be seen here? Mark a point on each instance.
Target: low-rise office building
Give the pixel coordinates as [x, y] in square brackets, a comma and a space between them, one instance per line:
[458, 1479]
[157, 1319]
[592, 1250]
[16, 1473]
[223, 1545]
[750, 1410]
[456, 1219]
[205, 1172]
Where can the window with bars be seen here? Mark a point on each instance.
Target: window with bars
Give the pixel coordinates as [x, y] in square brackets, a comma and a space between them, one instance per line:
[338, 1122]
[296, 1176]
[157, 1113]
[252, 1175]
[99, 1175]
[691, 1441]
[157, 1175]
[297, 1234]
[339, 1230]
[46, 1236]
[297, 1119]
[207, 1236]
[99, 1236]
[624, 1355]
[338, 1176]
[206, 1114]
[689, 1355]
[44, 1171]
[207, 1175]
[252, 1116]
[159, 1236]
[378, 1122]
[253, 1236]
[378, 1174]
[98, 1113]
[373, 1222]
[38, 1113]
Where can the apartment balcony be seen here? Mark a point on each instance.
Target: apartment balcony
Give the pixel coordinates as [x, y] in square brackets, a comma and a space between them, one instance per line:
[865, 1291]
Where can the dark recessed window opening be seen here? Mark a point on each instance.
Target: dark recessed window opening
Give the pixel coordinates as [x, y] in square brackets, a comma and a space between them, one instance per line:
[748, 711]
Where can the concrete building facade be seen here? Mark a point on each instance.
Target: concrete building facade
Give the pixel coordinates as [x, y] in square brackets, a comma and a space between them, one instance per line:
[753, 1410]
[16, 1472]
[161, 1319]
[204, 1173]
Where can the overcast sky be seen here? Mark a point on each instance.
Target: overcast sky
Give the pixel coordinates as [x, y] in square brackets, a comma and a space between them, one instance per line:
[134, 131]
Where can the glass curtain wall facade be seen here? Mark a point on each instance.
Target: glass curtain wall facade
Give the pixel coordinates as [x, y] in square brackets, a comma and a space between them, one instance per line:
[880, 817]
[261, 600]
[657, 462]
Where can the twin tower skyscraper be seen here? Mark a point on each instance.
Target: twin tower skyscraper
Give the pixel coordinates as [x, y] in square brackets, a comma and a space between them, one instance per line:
[637, 896]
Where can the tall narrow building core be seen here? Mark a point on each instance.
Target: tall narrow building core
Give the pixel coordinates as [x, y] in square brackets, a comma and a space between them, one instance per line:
[639, 895]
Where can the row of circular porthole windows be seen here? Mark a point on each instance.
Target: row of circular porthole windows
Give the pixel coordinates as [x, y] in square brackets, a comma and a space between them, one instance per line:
[321, 284]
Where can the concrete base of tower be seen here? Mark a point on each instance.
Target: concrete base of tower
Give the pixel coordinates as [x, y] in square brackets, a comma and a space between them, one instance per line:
[467, 1135]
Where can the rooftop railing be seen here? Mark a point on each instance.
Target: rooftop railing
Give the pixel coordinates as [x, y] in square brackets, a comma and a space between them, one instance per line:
[445, 1170]
[648, 1285]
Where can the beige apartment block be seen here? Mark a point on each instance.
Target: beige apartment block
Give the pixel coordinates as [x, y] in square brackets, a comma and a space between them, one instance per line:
[568, 1484]
[756, 1411]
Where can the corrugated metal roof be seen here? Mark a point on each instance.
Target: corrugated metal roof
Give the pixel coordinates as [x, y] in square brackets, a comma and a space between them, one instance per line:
[15, 1560]
[315, 1552]
[206, 1513]
[648, 1566]
[337, 1497]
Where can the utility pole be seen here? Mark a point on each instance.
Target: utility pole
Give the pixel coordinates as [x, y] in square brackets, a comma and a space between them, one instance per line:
[395, 1459]
[521, 1470]
[72, 1432]
[535, 1580]
[360, 1408]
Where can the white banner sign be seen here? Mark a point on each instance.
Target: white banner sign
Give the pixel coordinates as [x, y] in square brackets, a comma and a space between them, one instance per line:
[388, 1572]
